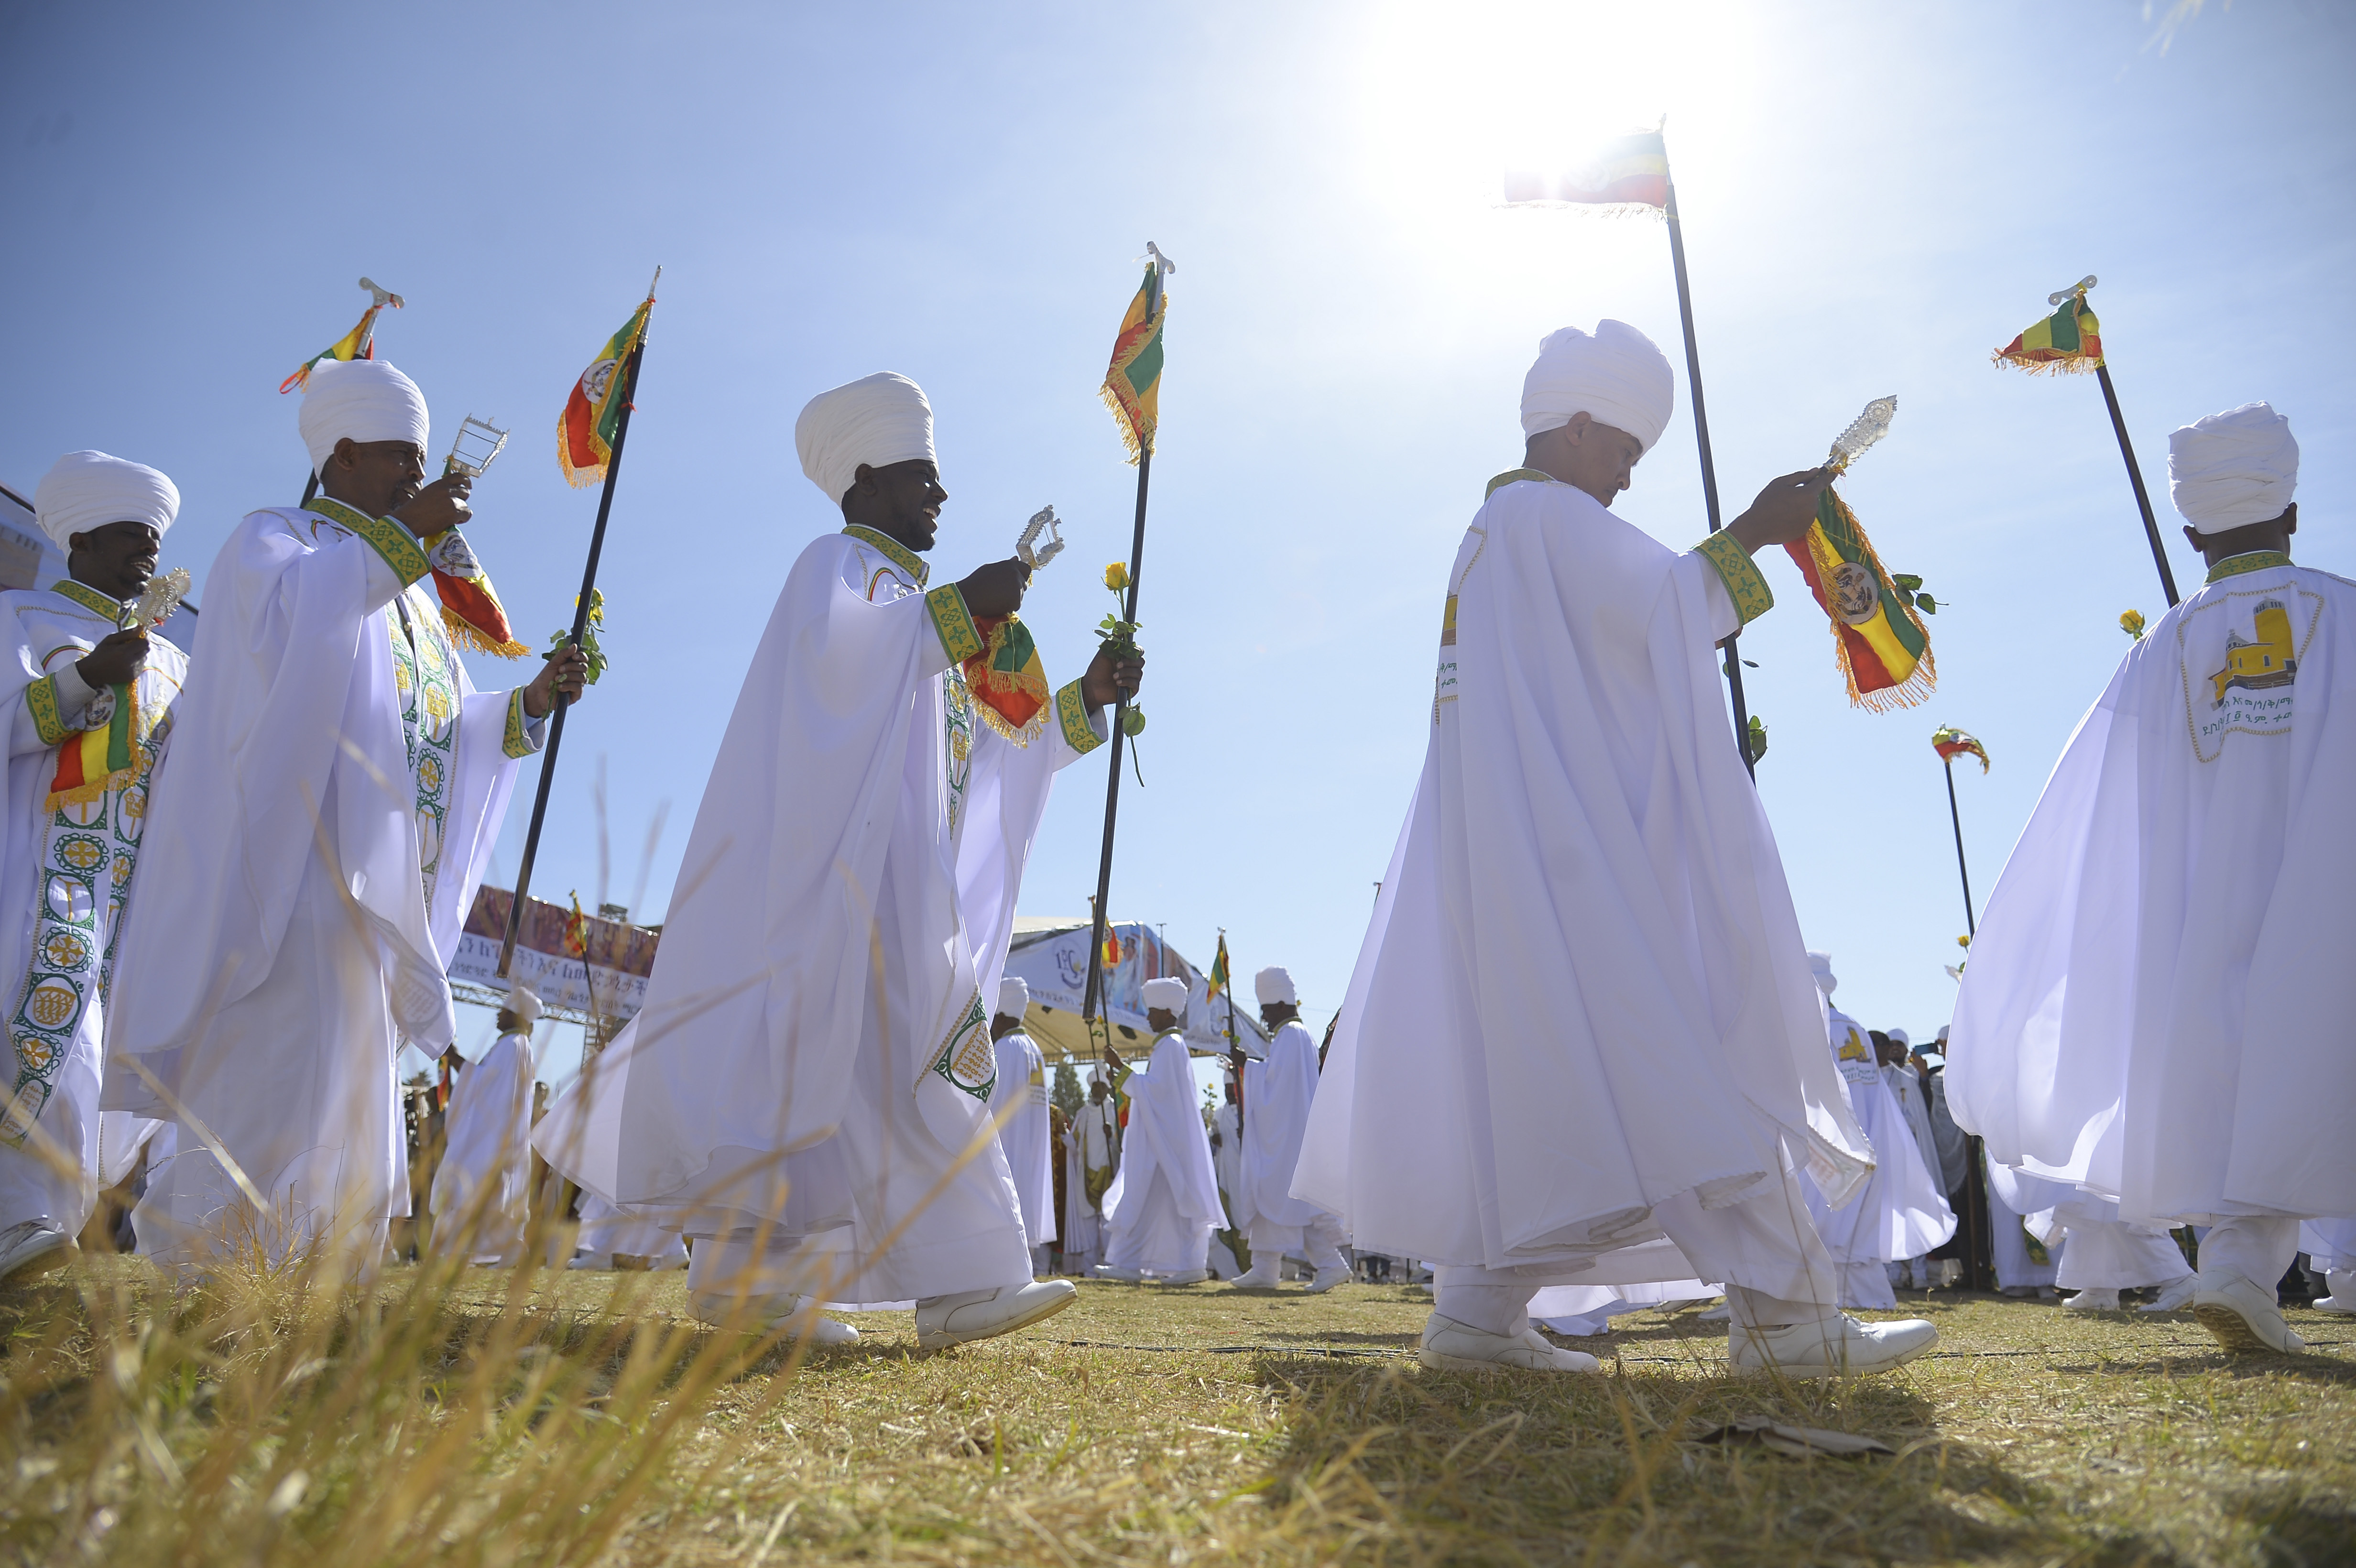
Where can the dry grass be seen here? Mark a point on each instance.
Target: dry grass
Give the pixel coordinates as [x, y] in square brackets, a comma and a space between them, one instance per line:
[581, 1418]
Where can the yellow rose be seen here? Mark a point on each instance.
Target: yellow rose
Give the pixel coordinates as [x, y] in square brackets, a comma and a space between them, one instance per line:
[1116, 576]
[2132, 624]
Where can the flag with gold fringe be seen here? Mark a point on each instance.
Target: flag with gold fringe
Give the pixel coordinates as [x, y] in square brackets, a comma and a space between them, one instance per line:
[584, 434]
[1628, 174]
[470, 605]
[2067, 343]
[1132, 383]
[1951, 742]
[1008, 682]
[1878, 639]
[357, 344]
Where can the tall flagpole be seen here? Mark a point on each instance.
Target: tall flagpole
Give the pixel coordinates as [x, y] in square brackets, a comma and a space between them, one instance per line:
[1962, 871]
[1709, 468]
[1089, 1005]
[580, 626]
[2135, 477]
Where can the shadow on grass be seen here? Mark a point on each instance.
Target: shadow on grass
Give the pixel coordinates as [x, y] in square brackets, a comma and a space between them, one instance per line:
[1396, 1464]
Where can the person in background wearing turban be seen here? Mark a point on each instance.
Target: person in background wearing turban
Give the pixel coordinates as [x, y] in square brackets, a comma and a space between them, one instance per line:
[482, 1190]
[806, 1090]
[1093, 1158]
[1907, 1087]
[2156, 1012]
[90, 721]
[1021, 1099]
[1277, 1093]
[1164, 1204]
[336, 788]
[1580, 1045]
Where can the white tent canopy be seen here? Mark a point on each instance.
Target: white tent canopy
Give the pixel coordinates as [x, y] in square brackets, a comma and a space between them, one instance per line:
[1050, 956]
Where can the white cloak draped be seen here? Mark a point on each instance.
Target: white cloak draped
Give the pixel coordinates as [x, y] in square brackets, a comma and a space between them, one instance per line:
[1899, 1213]
[286, 942]
[1164, 1204]
[2157, 1006]
[1023, 1136]
[484, 1182]
[66, 875]
[1584, 991]
[1277, 1093]
[814, 1051]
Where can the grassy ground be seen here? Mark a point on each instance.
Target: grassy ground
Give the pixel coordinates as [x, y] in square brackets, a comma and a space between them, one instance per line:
[1196, 1424]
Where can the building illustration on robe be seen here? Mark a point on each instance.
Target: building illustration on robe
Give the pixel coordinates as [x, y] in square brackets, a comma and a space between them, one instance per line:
[2258, 666]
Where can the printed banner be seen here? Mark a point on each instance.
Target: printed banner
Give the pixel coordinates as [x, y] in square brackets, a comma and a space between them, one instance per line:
[583, 965]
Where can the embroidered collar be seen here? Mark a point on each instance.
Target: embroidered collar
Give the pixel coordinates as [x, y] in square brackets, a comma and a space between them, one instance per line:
[900, 555]
[1513, 476]
[89, 598]
[336, 511]
[2255, 561]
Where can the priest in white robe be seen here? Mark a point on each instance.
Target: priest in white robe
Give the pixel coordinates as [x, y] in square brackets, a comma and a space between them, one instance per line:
[1580, 1045]
[2331, 1246]
[1164, 1204]
[1017, 1105]
[90, 721]
[1092, 1152]
[806, 1090]
[2157, 1006]
[1277, 1093]
[1899, 1212]
[2091, 1249]
[482, 1189]
[336, 784]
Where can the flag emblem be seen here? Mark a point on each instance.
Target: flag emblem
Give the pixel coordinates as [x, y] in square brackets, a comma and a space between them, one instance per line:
[1880, 642]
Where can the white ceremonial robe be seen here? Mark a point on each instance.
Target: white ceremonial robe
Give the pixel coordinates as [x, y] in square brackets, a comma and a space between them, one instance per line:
[1277, 1092]
[810, 1072]
[482, 1189]
[1227, 1161]
[1024, 1136]
[1583, 1012]
[1164, 1204]
[606, 1233]
[1899, 1213]
[336, 785]
[1092, 1145]
[2016, 1268]
[2091, 1248]
[2156, 1006]
[1914, 1098]
[67, 857]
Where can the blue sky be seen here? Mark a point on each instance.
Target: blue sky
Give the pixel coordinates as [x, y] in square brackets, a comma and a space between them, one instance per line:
[1875, 197]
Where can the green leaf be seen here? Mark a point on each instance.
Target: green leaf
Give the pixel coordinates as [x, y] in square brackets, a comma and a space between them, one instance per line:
[1928, 606]
[1907, 582]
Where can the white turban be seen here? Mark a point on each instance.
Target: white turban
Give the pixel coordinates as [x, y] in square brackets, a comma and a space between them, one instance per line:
[1274, 984]
[86, 490]
[1943, 1034]
[1898, 1037]
[1014, 996]
[1821, 964]
[366, 400]
[525, 1003]
[1615, 377]
[1167, 993]
[2232, 469]
[876, 419]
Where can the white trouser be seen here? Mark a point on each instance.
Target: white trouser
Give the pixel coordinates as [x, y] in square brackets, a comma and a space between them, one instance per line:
[1767, 1250]
[1318, 1243]
[2259, 1247]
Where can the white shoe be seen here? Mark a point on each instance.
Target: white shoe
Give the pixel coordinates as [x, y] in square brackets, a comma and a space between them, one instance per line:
[945, 1320]
[2093, 1301]
[1722, 1313]
[2326, 1303]
[1460, 1348]
[1836, 1347]
[32, 1247]
[2173, 1297]
[1184, 1276]
[2240, 1313]
[1113, 1270]
[2343, 1293]
[796, 1315]
[1327, 1278]
[1259, 1277]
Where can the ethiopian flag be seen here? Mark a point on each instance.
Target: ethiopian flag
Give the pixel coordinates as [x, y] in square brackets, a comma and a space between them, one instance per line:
[1007, 679]
[1879, 640]
[584, 436]
[93, 761]
[1219, 980]
[1132, 383]
[1630, 171]
[1951, 742]
[2068, 342]
[358, 344]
